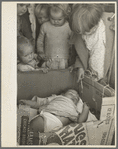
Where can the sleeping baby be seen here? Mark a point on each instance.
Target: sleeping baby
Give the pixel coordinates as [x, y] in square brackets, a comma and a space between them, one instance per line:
[56, 111]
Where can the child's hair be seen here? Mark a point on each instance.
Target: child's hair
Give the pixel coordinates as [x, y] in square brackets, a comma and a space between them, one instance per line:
[64, 7]
[39, 7]
[85, 16]
[21, 43]
[22, 4]
[74, 93]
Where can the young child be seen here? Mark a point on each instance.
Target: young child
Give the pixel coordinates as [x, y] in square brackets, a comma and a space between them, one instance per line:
[26, 21]
[27, 59]
[56, 111]
[86, 19]
[42, 16]
[53, 40]
[42, 13]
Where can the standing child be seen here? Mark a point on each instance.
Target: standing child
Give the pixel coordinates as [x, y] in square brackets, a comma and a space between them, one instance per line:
[42, 16]
[86, 19]
[53, 40]
[27, 59]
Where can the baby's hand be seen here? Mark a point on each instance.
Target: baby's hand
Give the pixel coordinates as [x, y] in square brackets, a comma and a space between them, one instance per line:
[32, 104]
[45, 70]
[85, 106]
[42, 56]
[23, 102]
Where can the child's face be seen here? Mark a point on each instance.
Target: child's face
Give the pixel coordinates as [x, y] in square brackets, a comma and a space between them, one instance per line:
[43, 17]
[27, 54]
[92, 30]
[21, 9]
[57, 19]
[72, 97]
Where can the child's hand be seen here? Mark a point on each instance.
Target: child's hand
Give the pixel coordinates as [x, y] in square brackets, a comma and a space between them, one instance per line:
[32, 104]
[80, 74]
[23, 102]
[45, 70]
[93, 72]
[71, 68]
[85, 106]
[42, 56]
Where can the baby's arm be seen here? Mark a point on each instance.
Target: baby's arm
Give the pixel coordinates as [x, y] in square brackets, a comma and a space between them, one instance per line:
[40, 42]
[32, 104]
[22, 67]
[84, 115]
[37, 102]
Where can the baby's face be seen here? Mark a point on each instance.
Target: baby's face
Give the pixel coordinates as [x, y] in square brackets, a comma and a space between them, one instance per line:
[72, 97]
[57, 19]
[27, 54]
[43, 17]
[21, 9]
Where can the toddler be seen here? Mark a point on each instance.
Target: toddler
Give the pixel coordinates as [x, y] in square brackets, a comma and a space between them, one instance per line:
[86, 19]
[53, 40]
[42, 15]
[56, 111]
[27, 59]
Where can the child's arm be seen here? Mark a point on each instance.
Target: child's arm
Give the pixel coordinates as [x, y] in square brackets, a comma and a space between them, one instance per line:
[37, 102]
[84, 115]
[32, 104]
[45, 70]
[40, 42]
[22, 67]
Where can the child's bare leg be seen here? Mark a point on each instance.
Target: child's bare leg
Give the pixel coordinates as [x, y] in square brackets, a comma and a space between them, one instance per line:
[37, 124]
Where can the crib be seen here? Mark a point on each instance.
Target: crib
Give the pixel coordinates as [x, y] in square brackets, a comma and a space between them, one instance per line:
[55, 82]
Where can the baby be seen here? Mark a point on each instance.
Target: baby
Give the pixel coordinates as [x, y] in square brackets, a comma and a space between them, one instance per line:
[56, 111]
[53, 41]
[28, 60]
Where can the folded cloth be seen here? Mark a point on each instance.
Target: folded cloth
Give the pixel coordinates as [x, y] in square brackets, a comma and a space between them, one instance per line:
[51, 122]
[91, 117]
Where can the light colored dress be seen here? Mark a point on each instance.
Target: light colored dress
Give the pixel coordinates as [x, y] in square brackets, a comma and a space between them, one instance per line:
[95, 43]
[54, 43]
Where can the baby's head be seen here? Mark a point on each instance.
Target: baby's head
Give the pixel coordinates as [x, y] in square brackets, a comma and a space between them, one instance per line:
[21, 9]
[42, 13]
[25, 50]
[58, 14]
[84, 18]
[73, 95]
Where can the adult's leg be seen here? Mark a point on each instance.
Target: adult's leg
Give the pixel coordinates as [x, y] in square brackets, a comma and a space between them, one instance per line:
[37, 124]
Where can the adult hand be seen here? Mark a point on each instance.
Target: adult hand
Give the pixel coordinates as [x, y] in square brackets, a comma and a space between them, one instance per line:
[80, 74]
